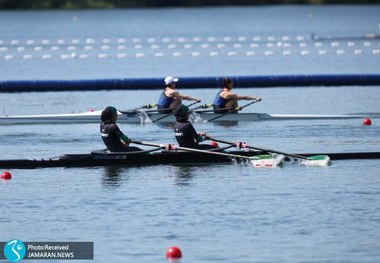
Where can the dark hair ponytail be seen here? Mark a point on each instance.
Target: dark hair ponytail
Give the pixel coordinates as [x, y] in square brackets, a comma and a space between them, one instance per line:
[226, 81]
[108, 114]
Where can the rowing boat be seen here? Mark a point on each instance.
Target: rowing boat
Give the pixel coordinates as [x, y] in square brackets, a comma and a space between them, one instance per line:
[102, 158]
[148, 117]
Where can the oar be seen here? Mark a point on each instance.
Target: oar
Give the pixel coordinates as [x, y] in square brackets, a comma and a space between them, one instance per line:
[212, 110]
[258, 160]
[171, 113]
[235, 110]
[204, 106]
[318, 160]
[146, 106]
[157, 110]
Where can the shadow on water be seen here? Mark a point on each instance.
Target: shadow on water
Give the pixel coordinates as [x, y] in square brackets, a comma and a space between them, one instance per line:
[226, 124]
[166, 125]
[184, 174]
[112, 176]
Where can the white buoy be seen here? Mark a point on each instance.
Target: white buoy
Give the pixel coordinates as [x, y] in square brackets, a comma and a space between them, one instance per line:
[121, 55]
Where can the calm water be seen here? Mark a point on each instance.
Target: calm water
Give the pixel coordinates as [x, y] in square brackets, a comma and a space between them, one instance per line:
[188, 42]
[224, 213]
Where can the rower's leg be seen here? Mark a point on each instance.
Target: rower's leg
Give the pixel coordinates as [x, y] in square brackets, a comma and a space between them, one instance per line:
[232, 104]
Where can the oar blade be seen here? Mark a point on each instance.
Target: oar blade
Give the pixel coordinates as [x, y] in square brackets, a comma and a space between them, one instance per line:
[267, 160]
[317, 160]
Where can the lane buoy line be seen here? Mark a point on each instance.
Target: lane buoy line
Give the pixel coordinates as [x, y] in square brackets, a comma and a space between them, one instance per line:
[183, 40]
[210, 53]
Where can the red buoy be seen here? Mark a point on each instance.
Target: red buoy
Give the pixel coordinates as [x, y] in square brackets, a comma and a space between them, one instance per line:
[173, 252]
[6, 175]
[367, 121]
[214, 144]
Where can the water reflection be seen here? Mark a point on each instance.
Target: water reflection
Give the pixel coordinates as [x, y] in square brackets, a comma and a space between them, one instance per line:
[112, 176]
[226, 124]
[184, 175]
[166, 125]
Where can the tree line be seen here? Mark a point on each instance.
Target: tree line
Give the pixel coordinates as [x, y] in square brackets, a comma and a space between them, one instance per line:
[82, 4]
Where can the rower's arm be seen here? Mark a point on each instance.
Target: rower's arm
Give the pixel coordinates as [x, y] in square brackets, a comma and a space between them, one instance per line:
[232, 96]
[195, 135]
[247, 98]
[124, 138]
[184, 97]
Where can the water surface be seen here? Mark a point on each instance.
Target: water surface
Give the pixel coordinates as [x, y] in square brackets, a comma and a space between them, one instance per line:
[224, 213]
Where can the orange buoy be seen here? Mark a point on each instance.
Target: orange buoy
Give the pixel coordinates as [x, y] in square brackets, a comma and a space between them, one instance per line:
[6, 175]
[367, 121]
[173, 252]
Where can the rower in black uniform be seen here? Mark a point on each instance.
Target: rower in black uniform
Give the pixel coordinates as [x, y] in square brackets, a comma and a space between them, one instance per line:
[184, 131]
[113, 137]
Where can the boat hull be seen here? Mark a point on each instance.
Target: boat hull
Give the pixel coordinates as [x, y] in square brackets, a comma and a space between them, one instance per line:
[156, 158]
[88, 160]
[94, 117]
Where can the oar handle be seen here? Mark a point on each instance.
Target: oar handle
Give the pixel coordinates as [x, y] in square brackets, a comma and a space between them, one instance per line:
[250, 103]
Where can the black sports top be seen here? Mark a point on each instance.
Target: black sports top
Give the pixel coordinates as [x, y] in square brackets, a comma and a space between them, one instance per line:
[112, 136]
[186, 135]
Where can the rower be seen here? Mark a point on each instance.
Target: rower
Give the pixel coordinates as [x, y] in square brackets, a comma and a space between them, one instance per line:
[113, 137]
[184, 131]
[226, 101]
[170, 98]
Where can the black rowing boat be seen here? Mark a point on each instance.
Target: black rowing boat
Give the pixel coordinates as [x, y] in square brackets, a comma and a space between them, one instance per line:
[102, 158]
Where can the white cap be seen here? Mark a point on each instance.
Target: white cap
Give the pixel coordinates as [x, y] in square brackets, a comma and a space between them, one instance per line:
[170, 80]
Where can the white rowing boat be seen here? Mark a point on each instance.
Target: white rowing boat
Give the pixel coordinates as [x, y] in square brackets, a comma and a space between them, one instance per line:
[149, 117]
